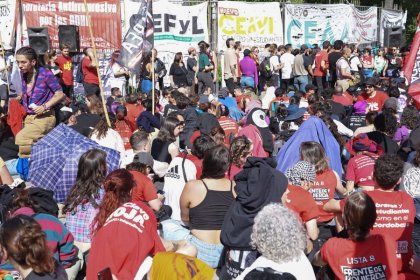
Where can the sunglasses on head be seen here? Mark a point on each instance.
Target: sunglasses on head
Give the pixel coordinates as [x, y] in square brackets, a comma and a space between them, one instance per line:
[180, 124]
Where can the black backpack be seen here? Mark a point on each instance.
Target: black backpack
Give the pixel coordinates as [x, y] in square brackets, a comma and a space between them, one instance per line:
[79, 73]
[265, 68]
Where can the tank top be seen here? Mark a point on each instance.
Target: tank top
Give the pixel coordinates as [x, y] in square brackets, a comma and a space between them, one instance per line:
[210, 213]
[322, 191]
[160, 151]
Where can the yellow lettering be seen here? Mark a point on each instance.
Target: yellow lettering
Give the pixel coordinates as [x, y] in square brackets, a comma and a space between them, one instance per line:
[239, 26]
[231, 25]
[224, 26]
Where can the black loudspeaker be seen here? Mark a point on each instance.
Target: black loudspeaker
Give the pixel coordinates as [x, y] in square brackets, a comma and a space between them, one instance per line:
[39, 39]
[393, 37]
[69, 35]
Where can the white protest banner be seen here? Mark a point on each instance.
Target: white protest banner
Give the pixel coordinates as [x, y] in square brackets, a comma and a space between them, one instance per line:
[364, 25]
[391, 19]
[314, 24]
[253, 24]
[7, 21]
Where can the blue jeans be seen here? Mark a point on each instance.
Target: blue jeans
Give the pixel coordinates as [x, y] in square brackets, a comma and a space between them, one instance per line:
[247, 81]
[146, 86]
[301, 82]
[11, 166]
[208, 253]
[173, 230]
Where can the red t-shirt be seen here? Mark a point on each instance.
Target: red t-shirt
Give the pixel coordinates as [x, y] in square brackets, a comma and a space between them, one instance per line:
[229, 125]
[360, 169]
[345, 99]
[302, 203]
[125, 130]
[372, 258]
[89, 72]
[127, 238]
[133, 112]
[144, 190]
[395, 218]
[375, 103]
[322, 191]
[65, 65]
[320, 56]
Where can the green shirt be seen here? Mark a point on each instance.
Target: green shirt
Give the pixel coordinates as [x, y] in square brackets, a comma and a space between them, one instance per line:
[203, 61]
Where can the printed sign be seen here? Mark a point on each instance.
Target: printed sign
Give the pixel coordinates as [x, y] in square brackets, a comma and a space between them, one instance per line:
[105, 19]
[253, 24]
[314, 24]
[7, 20]
[364, 25]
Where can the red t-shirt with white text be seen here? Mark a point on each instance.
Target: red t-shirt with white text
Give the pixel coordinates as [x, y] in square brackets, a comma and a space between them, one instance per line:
[360, 169]
[372, 258]
[322, 191]
[375, 103]
[302, 203]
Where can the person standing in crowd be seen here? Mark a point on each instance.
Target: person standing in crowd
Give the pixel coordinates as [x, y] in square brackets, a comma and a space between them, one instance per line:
[230, 65]
[333, 57]
[355, 64]
[275, 66]
[4, 91]
[299, 70]
[372, 96]
[205, 68]
[344, 76]
[321, 66]
[249, 71]
[380, 63]
[160, 69]
[119, 74]
[65, 63]
[41, 91]
[238, 49]
[178, 72]
[287, 60]
[280, 250]
[363, 252]
[192, 68]
[254, 55]
[90, 73]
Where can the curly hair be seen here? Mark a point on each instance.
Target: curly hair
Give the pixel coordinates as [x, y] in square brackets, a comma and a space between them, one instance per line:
[278, 234]
[410, 117]
[240, 147]
[91, 172]
[118, 185]
[359, 215]
[314, 153]
[386, 122]
[25, 243]
[387, 171]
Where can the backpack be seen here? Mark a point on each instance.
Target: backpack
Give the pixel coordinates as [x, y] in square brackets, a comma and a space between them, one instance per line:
[265, 68]
[79, 73]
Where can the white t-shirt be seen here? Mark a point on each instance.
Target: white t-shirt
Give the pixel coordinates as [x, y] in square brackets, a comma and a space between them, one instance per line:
[117, 82]
[300, 268]
[274, 62]
[355, 63]
[268, 97]
[287, 59]
[175, 182]
[342, 64]
[111, 140]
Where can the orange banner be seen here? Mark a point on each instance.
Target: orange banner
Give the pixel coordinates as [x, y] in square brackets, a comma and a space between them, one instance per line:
[105, 19]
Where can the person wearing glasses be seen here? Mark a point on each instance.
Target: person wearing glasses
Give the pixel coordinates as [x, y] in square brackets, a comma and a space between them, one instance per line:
[394, 63]
[374, 98]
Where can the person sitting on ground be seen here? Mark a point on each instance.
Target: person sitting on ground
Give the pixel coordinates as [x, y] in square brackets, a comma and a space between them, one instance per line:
[107, 136]
[123, 126]
[409, 120]
[342, 97]
[372, 96]
[182, 169]
[240, 149]
[257, 185]
[369, 127]
[280, 250]
[164, 148]
[375, 252]
[204, 204]
[385, 127]
[301, 177]
[146, 120]
[83, 199]
[59, 238]
[24, 245]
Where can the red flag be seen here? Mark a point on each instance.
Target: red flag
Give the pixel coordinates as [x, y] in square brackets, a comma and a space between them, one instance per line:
[412, 67]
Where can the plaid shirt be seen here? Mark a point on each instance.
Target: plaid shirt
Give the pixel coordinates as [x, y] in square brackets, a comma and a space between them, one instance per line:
[46, 85]
[80, 219]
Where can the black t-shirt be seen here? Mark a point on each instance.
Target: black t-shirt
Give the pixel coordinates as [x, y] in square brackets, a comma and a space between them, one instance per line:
[338, 109]
[390, 146]
[332, 60]
[58, 274]
[307, 60]
[191, 63]
[356, 121]
[179, 74]
[169, 108]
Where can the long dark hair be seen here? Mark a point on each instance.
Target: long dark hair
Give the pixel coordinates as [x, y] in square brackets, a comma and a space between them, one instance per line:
[178, 57]
[91, 172]
[314, 153]
[359, 215]
[102, 127]
[166, 132]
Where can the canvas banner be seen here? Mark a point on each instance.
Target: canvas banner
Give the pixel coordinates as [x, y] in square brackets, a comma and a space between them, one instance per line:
[7, 21]
[364, 26]
[314, 24]
[391, 19]
[105, 18]
[253, 24]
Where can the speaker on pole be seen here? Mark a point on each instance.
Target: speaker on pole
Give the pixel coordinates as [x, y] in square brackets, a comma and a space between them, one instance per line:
[69, 35]
[39, 39]
[393, 37]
